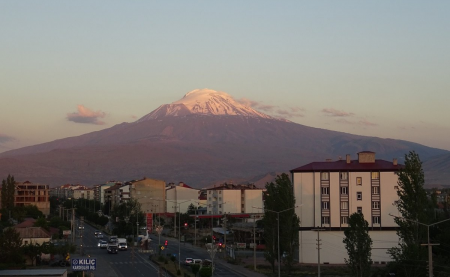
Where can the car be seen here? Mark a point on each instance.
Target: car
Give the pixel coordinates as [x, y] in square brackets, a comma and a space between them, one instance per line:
[123, 246]
[81, 227]
[102, 244]
[188, 261]
[97, 232]
[197, 261]
[113, 239]
[100, 236]
[112, 249]
[206, 262]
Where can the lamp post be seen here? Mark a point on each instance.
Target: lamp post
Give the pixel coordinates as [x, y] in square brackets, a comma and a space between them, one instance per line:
[430, 256]
[278, 228]
[179, 227]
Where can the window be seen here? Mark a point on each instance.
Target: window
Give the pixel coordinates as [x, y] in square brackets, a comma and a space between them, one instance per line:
[358, 195]
[359, 209]
[359, 181]
[325, 220]
[325, 205]
[344, 219]
[220, 205]
[220, 198]
[220, 212]
[209, 192]
[375, 190]
[325, 190]
[343, 175]
[344, 205]
[344, 190]
[324, 176]
[220, 192]
[376, 220]
[375, 175]
[375, 205]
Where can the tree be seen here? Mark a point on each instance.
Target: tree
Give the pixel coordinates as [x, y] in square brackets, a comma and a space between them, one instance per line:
[279, 197]
[358, 244]
[32, 251]
[410, 257]
[42, 222]
[8, 189]
[10, 245]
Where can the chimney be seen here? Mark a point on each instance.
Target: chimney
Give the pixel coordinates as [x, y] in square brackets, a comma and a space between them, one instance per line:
[394, 162]
[347, 158]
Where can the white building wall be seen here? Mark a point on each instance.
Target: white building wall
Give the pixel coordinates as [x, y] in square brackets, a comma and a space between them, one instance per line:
[333, 249]
[231, 201]
[253, 198]
[182, 196]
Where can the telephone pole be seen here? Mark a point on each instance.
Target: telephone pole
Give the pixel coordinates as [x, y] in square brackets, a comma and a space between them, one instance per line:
[318, 248]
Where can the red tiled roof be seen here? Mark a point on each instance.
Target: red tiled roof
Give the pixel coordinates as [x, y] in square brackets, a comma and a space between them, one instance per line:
[33, 232]
[342, 165]
[29, 222]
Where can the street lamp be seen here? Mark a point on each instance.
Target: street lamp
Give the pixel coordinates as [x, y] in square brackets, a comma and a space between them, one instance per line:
[430, 256]
[179, 227]
[278, 227]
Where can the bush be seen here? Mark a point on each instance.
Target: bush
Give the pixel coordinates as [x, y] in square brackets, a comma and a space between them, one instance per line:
[205, 272]
[178, 272]
[195, 268]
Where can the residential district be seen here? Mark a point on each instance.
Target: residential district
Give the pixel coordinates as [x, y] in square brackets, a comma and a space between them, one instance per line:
[173, 229]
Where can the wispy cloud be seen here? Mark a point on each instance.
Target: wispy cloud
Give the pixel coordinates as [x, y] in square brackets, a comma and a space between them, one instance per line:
[5, 138]
[291, 112]
[256, 105]
[85, 115]
[362, 122]
[337, 113]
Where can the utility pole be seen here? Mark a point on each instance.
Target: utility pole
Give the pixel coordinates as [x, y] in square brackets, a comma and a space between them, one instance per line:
[318, 248]
[225, 233]
[254, 244]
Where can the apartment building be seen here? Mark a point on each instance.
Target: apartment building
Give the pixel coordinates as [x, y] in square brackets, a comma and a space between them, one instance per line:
[83, 192]
[329, 192]
[27, 193]
[183, 196]
[150, 193]
[234, 199]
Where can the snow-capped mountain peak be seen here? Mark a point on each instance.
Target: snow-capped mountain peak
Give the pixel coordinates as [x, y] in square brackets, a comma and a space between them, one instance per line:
[204, 102]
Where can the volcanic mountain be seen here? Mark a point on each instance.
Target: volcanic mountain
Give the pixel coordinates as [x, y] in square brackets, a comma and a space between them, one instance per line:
[205, 137]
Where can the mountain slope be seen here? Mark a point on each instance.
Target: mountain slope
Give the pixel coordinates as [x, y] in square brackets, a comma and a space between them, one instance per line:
[199, 140]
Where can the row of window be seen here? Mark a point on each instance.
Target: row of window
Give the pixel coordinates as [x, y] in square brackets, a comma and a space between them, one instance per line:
[344, 205]
[344, 220]
[344, 191]
[344, 176]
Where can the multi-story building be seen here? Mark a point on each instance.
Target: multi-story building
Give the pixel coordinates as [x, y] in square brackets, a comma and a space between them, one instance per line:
[83, 192]
[27, 193]
[181, 197]
[329, 192]
[150, 193]
[234, 199]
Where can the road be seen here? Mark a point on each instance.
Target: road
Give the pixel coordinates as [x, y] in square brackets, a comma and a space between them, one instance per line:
[138, 264]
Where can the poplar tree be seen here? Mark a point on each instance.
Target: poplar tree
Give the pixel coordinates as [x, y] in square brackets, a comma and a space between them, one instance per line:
[280, 197]
[359, 245]
[8, 189]
[413, 205]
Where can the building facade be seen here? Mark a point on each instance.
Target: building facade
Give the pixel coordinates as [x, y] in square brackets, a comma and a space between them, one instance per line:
[234, 199]
[329, 192]
[180, 197]
[150, 193]
[27, 193]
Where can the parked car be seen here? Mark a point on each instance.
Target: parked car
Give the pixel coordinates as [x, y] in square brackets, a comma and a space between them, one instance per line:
[102, 244]
[206, 262]
[112, 249]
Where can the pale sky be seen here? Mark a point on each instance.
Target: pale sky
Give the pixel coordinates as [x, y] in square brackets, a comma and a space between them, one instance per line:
[379, 68]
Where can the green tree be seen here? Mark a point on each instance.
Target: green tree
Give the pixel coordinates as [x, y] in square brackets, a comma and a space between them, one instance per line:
[410, 257]
[358, 244]
[32, 250]
[42, 222]
[10, 245]
[8, 189]
[280, 197]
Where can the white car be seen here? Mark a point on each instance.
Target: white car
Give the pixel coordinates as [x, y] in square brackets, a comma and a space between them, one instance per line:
[102, 244]
[188, 261]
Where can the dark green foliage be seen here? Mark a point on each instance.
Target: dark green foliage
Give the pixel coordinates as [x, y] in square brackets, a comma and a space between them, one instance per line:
[8, 188]
[10, 245]
[195, 268]
[31, 251]
[359, 245]
[413, 206]
[280, 201]
[42, 222]
[205, 272]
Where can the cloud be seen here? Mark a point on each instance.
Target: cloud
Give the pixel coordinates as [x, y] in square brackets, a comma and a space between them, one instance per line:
[84, 115]
[5, 138]
[256, 105]
[333, 112]
[291, 112]
[363, 122]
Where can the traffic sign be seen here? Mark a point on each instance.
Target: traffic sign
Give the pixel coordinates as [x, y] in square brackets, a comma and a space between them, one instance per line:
[82, 264]
[162, 247]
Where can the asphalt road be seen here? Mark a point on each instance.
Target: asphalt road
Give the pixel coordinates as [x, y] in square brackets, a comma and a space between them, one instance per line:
[132, 263]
